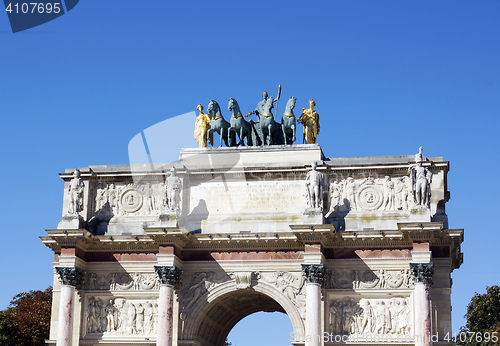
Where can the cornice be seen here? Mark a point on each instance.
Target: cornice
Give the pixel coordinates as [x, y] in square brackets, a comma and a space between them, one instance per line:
[326, 235]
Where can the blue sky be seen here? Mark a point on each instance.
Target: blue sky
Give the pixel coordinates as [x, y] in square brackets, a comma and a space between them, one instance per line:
[387, 77]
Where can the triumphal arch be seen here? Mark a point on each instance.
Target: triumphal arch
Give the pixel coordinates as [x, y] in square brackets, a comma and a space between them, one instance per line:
[354, 250]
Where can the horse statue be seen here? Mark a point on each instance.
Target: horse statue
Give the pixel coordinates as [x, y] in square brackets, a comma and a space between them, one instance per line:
[267, 123]
[218, 124]
[288, 122]
[239, 125]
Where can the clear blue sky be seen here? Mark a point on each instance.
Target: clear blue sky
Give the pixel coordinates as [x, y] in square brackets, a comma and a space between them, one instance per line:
[387, 77]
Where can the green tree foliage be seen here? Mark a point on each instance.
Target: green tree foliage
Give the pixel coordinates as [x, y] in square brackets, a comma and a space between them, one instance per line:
[483, 319]
[26, 322]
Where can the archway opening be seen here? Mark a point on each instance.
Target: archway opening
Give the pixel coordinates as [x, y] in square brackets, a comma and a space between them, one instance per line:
[263, 329]
[215, 321]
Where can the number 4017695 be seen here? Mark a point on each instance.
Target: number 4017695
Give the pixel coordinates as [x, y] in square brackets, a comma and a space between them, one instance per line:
[34, 7]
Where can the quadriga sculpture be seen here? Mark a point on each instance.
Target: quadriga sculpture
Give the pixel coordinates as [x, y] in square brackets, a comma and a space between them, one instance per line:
[288, 122]
[239, 125]
[218, 124]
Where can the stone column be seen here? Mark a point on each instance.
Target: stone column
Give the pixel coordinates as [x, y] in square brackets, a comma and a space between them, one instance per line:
[314, 275]
[169, 277]
[70, 278]
[422, 275]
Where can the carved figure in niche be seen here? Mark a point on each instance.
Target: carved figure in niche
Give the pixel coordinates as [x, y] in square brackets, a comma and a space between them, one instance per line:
[110, 317]
[350, 189]
[349, 309]
[201, 127]
[335, 317]
[113, 197]
[131, 317]
[121, 314]
[388, 193]
[140, 319]
[366, 325]
[401, 194]
[335, 192]
[91, 317]
[148, 318]
[404, 317]
[421, 179]
[155, 318]
[147, 192]
[101, 197]
[314, 182]
[75, 193]
[136, 278]
[310, 120]
[173, 190]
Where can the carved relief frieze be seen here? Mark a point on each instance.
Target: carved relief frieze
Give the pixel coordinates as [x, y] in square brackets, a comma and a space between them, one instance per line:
[370, 279]
[370, 316]
[129, 199]
[121, 316]
[370, 194]
[122, 282]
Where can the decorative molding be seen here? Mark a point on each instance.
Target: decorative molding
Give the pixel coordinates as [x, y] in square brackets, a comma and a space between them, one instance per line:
[122, 281]
[314, 273]
[71, 276]
[422, 272]
[243, 279]
[169, 275]
[370, 279]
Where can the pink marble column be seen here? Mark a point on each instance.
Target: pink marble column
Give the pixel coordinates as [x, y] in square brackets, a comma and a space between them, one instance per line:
[169, 276]
[70, 277]
[314, 274]
[422, 275]
[165, 315]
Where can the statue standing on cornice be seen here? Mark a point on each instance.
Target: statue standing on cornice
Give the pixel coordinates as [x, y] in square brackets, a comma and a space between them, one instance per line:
[421, 179]
[201, 127]
[173, 186]
[314, 185]
[75, 193]
[310, 120]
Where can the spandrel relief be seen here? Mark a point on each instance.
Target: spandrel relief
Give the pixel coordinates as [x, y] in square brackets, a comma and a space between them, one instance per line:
[370, 316]
[194, 286]
[120, 316]
[370, 279]
[122, 281]
[369, 194]
[292, 285]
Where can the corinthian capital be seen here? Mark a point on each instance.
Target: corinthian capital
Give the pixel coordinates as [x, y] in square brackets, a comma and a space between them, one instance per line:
[71, 276]
[422, 272]
[168, 275]
[314, 273]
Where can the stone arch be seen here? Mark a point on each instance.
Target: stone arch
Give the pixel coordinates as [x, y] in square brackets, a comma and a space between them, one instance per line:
[217, 312]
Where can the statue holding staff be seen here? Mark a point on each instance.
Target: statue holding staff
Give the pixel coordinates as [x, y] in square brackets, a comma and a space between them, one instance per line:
[201, 127]
[310, 120]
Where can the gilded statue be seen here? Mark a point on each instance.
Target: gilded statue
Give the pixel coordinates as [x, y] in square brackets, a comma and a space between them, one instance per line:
[310, 120]
[202, 126]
